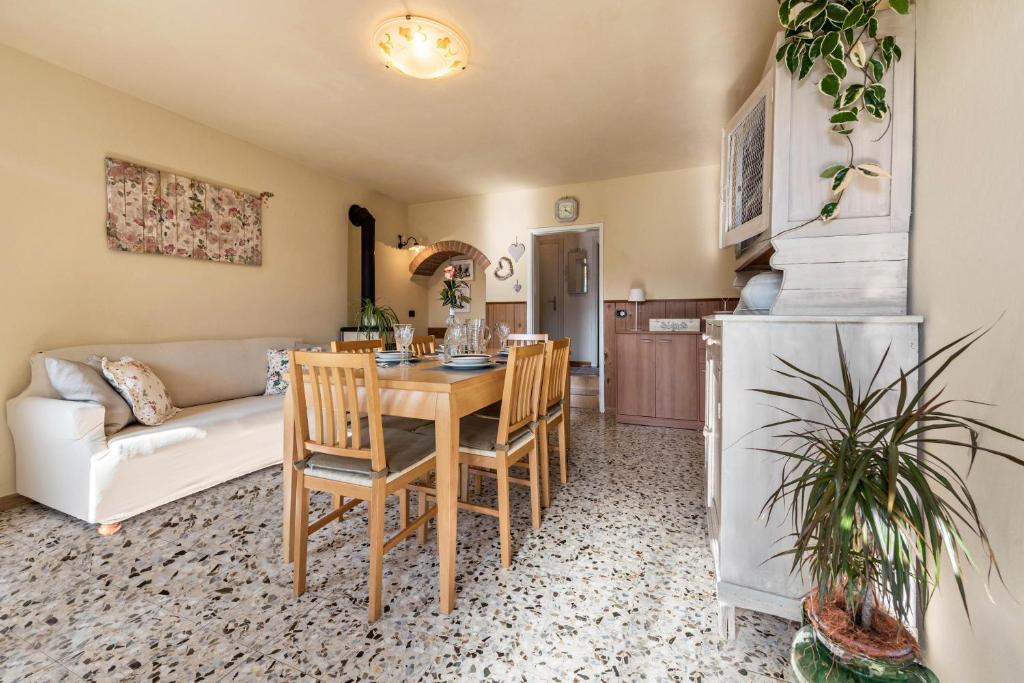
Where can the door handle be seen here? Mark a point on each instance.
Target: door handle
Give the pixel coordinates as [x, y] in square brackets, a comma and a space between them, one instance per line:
[646, 341]
[554, 303]
[664, 341]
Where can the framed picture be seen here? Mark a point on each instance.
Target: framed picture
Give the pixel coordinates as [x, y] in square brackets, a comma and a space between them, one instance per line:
[463, 268]
[465, 291]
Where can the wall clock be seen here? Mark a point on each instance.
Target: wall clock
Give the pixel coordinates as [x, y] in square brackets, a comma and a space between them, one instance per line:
[567, 209]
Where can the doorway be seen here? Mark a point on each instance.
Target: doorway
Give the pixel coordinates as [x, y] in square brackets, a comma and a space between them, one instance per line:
[565, 296]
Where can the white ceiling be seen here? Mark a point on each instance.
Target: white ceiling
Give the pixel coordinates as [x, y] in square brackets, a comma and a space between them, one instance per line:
[557, 91]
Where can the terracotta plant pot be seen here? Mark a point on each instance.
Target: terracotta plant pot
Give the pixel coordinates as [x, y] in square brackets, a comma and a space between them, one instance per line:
[882, 652]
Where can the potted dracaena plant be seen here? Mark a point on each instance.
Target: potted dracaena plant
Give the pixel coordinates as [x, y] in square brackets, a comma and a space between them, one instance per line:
[876, 502]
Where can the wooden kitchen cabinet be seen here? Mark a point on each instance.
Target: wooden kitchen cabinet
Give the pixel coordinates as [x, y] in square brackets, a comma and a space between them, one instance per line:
[658, 379]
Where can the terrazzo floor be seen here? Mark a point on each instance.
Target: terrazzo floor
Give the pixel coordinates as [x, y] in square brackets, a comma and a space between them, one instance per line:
[616, 585]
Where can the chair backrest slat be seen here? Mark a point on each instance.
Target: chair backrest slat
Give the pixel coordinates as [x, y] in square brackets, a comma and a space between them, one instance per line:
[520, 399]
[331, 380]
[556, 373]
[357, 346]
[519, 339]
[423, 345]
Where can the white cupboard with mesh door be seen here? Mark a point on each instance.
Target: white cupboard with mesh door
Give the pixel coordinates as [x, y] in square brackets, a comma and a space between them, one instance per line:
[773, 154]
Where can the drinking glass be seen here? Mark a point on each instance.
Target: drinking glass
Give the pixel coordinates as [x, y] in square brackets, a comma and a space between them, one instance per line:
[453, 339]
[503, 331]
[403, 337]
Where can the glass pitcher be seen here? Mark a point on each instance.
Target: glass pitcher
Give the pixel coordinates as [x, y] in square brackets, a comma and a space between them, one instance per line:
[479, 335]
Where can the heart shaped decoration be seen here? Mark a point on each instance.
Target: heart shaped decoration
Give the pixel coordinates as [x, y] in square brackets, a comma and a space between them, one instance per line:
[517, 287]
[504, 270]
[517, 250]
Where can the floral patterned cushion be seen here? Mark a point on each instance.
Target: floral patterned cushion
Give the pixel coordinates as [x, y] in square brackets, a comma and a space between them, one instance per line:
[277, 368]
[143, 390]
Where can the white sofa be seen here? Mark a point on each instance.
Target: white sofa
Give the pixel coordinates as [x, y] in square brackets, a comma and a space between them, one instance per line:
[227, 428]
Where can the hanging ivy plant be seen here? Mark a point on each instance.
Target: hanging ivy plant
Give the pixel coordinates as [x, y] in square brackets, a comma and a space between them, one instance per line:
[834, 33]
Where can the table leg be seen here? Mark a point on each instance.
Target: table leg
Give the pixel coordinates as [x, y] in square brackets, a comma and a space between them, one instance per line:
[446, 428]
[287, 472]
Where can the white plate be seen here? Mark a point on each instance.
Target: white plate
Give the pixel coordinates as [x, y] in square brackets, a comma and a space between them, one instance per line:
[470, 359]
[466, 366]
[393, 355]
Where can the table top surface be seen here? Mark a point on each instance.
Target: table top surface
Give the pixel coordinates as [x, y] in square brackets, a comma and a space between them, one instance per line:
[430, 375]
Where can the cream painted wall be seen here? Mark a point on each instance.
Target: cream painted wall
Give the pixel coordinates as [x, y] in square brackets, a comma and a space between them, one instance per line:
[966, 271]
[660, 231]
[61, 286]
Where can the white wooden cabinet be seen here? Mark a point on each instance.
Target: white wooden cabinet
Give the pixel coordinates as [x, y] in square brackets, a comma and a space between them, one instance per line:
[740, 356]
[793, 139]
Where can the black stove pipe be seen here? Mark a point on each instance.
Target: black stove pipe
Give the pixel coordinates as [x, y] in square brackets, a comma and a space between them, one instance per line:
[363, 219]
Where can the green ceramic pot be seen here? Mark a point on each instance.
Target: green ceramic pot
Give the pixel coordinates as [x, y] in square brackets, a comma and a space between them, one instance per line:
[814, 661]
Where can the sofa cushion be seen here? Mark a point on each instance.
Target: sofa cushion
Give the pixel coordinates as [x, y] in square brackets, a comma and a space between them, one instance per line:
[194, 372]
[143, 390]
[402, 449]
[76, 381]
[277, 368]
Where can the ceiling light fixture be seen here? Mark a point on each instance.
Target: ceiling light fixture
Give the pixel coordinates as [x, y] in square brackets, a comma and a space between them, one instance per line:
[421, 47]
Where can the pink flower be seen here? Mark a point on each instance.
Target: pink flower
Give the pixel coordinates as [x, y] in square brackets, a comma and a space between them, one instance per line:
[449, 273]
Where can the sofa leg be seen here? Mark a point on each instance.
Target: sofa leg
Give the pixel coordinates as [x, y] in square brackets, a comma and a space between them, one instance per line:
[109, 529]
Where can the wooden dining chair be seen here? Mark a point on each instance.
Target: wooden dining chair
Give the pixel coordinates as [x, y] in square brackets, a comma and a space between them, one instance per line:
[520, 339]
[492, 447]
[357, 346]
[552, 410]
[346, 456]
[424, 345]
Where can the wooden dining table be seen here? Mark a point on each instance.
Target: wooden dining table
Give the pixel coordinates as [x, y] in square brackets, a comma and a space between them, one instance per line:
[430, 391]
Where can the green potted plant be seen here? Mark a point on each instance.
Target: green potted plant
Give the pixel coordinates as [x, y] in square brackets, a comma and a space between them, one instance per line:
[875, 503]
[380, 319]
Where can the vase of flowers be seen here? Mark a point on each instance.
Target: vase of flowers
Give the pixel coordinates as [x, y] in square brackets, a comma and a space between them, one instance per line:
[453, 295]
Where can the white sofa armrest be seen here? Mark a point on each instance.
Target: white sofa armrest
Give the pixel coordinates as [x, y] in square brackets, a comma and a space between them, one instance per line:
[54, 417]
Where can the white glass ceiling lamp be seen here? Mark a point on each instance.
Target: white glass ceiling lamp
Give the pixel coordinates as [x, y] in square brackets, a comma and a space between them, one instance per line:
[421, 47]
[636, 297]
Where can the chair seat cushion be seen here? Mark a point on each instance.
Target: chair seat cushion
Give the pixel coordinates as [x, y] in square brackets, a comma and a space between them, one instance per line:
[408, 424]
[479, 435]
[492, 411]
[554, 412]
[404, 450]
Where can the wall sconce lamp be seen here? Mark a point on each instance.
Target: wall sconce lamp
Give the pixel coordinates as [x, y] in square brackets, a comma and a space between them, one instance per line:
[410, 243]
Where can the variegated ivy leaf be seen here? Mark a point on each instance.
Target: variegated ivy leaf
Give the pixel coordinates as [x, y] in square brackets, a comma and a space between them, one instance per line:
[829, 211]
[877, 69]
[853, 17]
[901, 6]
[873, 27]
[851, 95]
[831, 171]
[842, 130]
[876, 92]
[858, 55]
[829, 85]
[888, 43]
[837, 13]
[897, 52]
[848, 36]
[838, 67]
[875, 111]
[806, 65]
[830, 42]
[841, 181]
[810, 12]
[784, 10]
[872, 171]
[793, 57]
[815, 50]
[849, 116]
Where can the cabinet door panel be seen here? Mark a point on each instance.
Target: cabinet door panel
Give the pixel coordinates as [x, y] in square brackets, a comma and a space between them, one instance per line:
[678, 377]
[635, 374]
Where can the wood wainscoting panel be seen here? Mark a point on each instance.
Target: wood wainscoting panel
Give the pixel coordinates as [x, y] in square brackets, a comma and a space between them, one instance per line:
[639, 315]
[512, 313]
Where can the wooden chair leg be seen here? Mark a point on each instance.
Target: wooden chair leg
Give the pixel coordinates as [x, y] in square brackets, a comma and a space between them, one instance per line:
[545, 478]
[535, 487]
[403, 508]
[108, 529]
[300, 535]
[421, 533]
[464, 482]
[376, 524]
[478, 485]
[504, 522]
[563, 444]
[337, 500]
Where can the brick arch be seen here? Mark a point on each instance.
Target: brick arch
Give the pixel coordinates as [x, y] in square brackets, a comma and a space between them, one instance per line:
[431, 258]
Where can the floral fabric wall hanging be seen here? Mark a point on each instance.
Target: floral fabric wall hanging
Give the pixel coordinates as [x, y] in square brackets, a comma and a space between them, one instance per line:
[158, 212]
